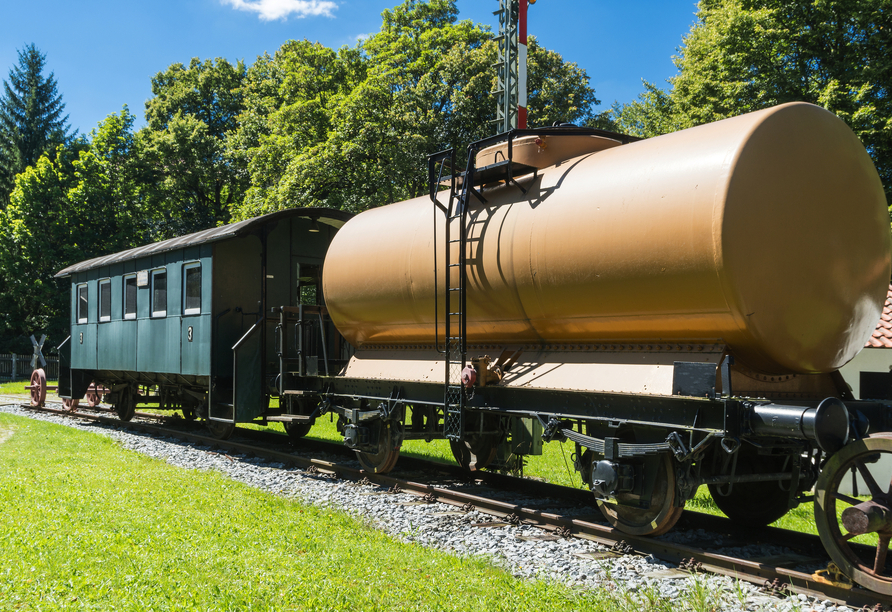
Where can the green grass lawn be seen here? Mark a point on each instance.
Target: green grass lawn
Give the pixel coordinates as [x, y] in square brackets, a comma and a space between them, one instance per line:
[86, 525]
[18, 388]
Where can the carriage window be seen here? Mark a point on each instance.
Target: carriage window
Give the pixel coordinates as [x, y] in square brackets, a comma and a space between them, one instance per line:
[105, 300]
[82, 304]
[307, 285]
[192, 289]
[159, 293]
[130, 297]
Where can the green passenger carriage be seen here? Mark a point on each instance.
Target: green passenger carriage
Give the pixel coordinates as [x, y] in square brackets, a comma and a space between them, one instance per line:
[184, 322]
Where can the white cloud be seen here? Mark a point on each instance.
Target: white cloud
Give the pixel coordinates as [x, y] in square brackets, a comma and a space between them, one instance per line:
[269, 10]
[362, 37]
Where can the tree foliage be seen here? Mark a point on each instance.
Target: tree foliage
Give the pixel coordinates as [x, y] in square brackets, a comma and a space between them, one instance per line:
[352, 128]
[557, 91]
[744, 55]
[31, 117]
[77, 202]
[192, 112]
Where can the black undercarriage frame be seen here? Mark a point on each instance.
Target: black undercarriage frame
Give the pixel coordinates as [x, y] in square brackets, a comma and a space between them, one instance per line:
[704, 436]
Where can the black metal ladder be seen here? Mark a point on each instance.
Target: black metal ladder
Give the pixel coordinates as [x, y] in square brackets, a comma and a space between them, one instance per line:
[455, 211]
[454, 348]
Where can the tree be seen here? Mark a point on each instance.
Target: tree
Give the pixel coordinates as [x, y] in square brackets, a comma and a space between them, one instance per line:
[744, 55]
[557, 91]
[77, 202]
[33, 230]
[31, 117]
[192, 112]
[107, 208]
[289, 99]
[352, 129]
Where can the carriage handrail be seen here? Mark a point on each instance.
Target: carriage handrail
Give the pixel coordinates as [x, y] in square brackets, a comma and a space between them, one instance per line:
[248, 333]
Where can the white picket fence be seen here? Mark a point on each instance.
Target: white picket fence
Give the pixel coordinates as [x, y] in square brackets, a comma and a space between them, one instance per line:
[18, 367]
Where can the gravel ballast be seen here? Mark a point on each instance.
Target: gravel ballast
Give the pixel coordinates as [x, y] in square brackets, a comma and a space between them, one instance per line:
[444, 527]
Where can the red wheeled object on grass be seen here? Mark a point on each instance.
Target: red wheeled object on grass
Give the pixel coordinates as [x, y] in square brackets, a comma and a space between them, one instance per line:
[38, 389]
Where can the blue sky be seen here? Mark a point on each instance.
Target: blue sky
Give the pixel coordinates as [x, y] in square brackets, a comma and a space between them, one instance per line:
[104, 53]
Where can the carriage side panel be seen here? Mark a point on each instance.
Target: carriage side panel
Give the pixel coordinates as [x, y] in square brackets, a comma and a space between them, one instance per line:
[195, 332]
[84, 320]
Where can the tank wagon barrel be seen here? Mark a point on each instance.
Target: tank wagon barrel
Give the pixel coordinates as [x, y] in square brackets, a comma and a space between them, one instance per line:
[768, 232]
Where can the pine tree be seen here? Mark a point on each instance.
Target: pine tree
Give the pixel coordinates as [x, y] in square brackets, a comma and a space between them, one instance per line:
[31, 118]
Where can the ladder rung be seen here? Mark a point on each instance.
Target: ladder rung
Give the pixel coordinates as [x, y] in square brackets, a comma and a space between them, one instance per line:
[454, 265]
[455, 289]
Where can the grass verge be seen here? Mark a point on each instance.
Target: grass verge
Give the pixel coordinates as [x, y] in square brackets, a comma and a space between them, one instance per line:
[87, 525]
[18, 388]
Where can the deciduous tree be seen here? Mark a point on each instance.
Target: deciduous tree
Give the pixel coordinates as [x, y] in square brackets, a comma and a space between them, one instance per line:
[744, 55]
[77, 202]
[358, 134]
[193, 110]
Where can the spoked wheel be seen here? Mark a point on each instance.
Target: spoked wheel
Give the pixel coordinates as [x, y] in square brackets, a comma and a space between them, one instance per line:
[38, 387]
[126, 405]
[384, 459]
[655, 520]
[475, 453]
[295, 430]
[70, 404]
[93, 397]
[753, 504]
[220, 430]
[845, 521]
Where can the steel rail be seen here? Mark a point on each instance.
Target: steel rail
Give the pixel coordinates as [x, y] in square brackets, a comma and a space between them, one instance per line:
[742, 569]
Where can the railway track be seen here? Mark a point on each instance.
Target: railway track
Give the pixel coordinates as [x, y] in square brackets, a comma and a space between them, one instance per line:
[440, 487]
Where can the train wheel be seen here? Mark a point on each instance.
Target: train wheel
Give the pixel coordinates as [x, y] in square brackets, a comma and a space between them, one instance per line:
[753, 504]
[93, 397]
[384, 459]
[476, 452]
[220, 430]
[844, 522]
[126, 406]
[38, 387]
[70, 404]
[296, 431]
[659, 518]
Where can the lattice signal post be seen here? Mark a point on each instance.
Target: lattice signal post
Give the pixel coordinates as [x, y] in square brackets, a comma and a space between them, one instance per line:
[511, 91]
